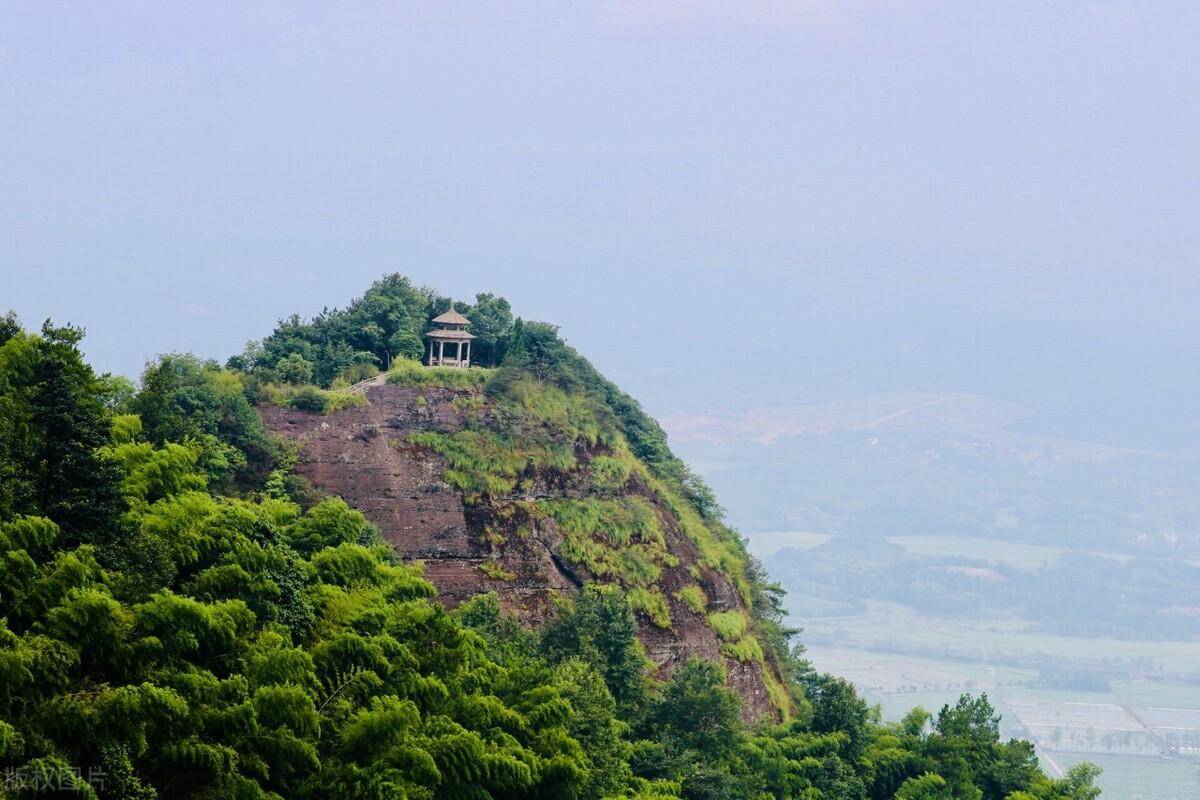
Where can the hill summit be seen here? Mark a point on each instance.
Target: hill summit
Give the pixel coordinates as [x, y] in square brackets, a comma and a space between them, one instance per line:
[530, 477]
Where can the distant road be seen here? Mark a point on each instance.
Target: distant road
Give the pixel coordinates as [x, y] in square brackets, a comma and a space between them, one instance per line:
[901, 413]
[1054, 767]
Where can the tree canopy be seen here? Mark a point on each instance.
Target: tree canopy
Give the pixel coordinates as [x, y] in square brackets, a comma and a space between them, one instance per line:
[387, 323]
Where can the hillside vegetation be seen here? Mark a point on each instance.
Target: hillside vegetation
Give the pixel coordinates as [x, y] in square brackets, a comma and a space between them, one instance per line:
[537, 420]
[182, 619]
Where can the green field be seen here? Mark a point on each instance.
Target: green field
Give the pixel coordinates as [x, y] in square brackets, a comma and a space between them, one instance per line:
[901, 658]
[1126, 777]
[888, 627]
[1014, 554]
[1140, 777]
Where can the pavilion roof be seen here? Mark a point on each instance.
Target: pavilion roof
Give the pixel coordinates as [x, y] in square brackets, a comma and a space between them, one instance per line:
[449, 334]
[451, 317]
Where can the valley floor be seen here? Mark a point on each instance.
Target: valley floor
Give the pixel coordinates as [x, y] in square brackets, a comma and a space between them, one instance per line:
[1122, 729]
[1140, 722]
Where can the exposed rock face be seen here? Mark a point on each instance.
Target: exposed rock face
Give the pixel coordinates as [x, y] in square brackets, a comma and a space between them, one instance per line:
[363, 455]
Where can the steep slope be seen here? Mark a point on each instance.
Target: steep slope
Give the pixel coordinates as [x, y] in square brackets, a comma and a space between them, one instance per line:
[502, 483]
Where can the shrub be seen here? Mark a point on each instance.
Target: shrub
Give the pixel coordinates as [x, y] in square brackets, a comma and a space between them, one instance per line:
[308, 398]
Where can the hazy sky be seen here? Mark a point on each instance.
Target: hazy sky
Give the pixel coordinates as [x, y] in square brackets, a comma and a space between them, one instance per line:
[178, 176]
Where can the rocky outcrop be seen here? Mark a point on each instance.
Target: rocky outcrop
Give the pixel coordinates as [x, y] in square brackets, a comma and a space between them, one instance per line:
[363, 455]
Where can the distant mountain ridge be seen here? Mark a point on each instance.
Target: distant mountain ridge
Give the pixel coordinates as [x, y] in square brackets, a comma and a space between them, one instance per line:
[953, 464]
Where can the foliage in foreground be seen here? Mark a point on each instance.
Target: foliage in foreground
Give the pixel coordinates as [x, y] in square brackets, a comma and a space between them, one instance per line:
[158, 640]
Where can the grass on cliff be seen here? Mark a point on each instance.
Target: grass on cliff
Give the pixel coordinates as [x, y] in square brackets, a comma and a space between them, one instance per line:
[729, 625]
[406, 372]
[493, 570]
[610, 473]
[693, 597]
[734, 629]
[307, 397]
[488, 463]
[530, 428]
[747, 650]
[618, 538]
[651, 602]
[621, 520]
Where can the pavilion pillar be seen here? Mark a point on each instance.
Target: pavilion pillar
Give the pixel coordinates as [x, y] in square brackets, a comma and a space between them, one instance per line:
[441, 351]
[468, 354]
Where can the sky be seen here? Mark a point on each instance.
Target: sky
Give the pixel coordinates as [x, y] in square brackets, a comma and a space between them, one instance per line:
[708, 174]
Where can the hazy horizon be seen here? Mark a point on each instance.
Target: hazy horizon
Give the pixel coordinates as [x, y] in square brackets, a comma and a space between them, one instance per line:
[710, 164]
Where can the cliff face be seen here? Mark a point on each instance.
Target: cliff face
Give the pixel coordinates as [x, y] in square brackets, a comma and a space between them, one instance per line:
[506, 542]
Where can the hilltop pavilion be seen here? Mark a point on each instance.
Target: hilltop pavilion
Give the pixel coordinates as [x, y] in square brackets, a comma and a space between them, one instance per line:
[449, 342]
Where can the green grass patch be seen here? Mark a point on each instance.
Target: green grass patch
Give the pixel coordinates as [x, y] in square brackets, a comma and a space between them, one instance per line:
[541, 411]
[729, 625]
[650, 601]
[493, 570]
[468, 402]
[311, 398]
[693, 597]
[610, 473]
[484, 462]
[746, 650]
[633, 564]
[413, 373]
[777, 693]
[618, 538]
[620, 521]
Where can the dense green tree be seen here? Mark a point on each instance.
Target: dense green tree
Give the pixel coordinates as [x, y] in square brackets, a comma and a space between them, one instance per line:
[837, 708]
[52, 424]
[927, 787]
[184, 398]
[491, 323]
[195, 689]
[696, 711]
[388, 322]
[1080, 782]
[599, 628]
[294, 368]
[10, 326]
